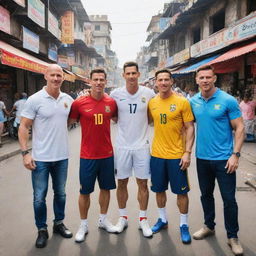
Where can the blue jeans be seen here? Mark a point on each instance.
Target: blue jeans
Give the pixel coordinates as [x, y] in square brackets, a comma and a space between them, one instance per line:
[208, 171]
[40, 177]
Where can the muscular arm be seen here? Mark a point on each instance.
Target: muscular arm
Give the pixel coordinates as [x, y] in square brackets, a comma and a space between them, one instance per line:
[25, 125]
[238, 126]
[190, 137]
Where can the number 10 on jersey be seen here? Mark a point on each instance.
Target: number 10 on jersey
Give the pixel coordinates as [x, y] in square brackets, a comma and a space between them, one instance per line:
[98, 119]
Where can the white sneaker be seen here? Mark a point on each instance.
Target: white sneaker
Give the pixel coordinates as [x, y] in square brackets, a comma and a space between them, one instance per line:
[82, 231]
[122, 224]
[146, 230]
[108, 226]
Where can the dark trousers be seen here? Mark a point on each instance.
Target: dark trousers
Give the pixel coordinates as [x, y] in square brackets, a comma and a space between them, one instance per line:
[208, 171]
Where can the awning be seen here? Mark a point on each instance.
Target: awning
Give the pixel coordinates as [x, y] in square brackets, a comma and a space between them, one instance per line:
[14, 57]
[195, 66]
[236, 52]
[69, 76]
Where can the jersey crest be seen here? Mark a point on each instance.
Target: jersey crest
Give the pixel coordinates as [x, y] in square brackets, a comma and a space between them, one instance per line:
[172, 107]
[107, 109]
[143, 99]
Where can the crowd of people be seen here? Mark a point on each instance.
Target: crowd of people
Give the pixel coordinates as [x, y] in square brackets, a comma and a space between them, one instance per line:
[217, 116]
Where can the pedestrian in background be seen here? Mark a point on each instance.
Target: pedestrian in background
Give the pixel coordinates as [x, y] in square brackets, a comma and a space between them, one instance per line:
[217, 115]
[3, 112]
[47, 113]
[132, 152]
[95, 111]
[171, 151]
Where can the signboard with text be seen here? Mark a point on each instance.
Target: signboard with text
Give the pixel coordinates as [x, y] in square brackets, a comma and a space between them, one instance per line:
[67, 28]
[36, 12]
[53, 25]
[63, 61]
[5, 20]
[30, 40]
[52, 52]
[181, 56]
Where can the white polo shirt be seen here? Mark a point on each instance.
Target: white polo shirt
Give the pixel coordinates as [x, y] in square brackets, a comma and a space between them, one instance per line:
[132, 117]
[50, 133]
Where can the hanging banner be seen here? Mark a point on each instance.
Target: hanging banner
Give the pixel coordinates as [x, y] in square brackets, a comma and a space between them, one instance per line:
[5, 20]
[30, 40]
[36, 12]
[67, 28]
[53, 25]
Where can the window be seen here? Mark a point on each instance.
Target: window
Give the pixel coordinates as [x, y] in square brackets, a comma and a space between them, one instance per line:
[196, 35]
[217, 21]
[97, 27]
[251, 6]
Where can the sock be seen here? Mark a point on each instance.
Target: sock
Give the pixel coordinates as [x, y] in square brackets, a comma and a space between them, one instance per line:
[183, 219]
[123, 213]
[162, 214]
[142, 215]
[84, 222]
[102, 217]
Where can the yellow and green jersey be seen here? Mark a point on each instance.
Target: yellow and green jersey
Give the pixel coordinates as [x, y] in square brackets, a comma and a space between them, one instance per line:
[169, 116]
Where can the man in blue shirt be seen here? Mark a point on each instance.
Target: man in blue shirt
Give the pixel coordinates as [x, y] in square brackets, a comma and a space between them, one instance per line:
[217, 115]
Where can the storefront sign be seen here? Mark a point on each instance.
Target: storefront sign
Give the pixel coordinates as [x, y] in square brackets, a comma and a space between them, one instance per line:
[69, 77]
[36, 12]
[5, 20]
[20, 2]
[78, 71]
[63, 61]
[53, 25]
[52, 52]
[13, 60]
[181, 56]
[30, 40]
[71, 57]
[67, 32]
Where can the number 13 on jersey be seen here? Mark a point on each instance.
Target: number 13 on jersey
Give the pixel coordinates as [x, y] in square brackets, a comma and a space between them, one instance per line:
[98, 118]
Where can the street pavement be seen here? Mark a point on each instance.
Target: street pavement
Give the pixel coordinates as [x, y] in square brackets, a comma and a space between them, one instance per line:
[18, 233]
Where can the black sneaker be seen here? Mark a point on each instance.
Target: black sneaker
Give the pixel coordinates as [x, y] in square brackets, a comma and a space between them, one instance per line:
[62, 230]
[42, 237]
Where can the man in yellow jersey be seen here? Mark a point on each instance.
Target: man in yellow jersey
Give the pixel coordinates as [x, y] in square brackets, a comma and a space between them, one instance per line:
[171, 150]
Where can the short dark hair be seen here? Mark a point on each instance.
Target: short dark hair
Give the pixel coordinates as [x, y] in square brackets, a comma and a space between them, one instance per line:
[130, 64]
[206, 67]
[98, 70]
[163, 70]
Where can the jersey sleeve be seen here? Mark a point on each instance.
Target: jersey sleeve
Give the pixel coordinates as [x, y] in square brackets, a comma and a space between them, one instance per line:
[29, 111]
[233, 109]
[187, 114]
[74, 112]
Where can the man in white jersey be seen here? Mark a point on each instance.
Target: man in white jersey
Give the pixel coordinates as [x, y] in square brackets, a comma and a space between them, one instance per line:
[47, 113]
[132, 152]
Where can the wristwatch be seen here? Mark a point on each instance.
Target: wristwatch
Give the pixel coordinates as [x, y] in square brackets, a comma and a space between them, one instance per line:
[237, 154]
[24, 152]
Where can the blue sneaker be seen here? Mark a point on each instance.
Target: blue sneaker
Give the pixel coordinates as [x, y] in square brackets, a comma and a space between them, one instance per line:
[159, 225]
[184, 234]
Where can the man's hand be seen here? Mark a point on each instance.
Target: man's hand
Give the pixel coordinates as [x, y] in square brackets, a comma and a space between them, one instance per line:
[185, 161]
[29, 162]
[232, 164]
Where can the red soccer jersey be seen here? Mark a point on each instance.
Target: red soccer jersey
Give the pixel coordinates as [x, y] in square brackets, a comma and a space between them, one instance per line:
[94, 118]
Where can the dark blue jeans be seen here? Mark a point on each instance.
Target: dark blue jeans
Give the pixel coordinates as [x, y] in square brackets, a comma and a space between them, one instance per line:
[40, 177]
[208, 171]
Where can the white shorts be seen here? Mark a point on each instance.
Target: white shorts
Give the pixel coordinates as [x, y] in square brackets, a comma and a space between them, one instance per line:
[126, 161]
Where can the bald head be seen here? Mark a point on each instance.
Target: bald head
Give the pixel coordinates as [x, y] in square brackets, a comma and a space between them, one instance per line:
[54, 77]
[53, 67]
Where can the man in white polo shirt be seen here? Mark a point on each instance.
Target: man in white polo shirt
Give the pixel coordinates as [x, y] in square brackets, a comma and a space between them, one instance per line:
[47, 112]
[132, 152]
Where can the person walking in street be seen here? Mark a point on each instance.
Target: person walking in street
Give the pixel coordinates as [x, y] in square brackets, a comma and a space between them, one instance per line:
[171, 150]
[95, 112]
[248, 108]
[47, 113]
[132, 151]
[217, 115]
[3, 112]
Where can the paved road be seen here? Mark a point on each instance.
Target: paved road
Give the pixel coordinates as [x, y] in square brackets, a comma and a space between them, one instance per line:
[18, 233]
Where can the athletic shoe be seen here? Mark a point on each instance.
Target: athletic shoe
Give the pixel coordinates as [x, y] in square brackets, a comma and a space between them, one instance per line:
[235, 246]
[203, 232]
[122, 224]
[184, 234]
[146, 230]
[108, 226]
[159, 225]
[80, 235]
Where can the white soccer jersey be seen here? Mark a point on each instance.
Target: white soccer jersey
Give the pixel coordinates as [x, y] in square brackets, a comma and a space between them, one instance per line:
[132, 117]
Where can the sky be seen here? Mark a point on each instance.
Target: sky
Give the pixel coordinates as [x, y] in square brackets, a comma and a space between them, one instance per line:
[129, 20]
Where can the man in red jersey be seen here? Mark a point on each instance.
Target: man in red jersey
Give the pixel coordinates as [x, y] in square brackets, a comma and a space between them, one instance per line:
[96, 158]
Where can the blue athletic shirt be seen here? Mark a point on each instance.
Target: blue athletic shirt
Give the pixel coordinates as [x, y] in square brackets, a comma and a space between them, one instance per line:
[214, 140]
